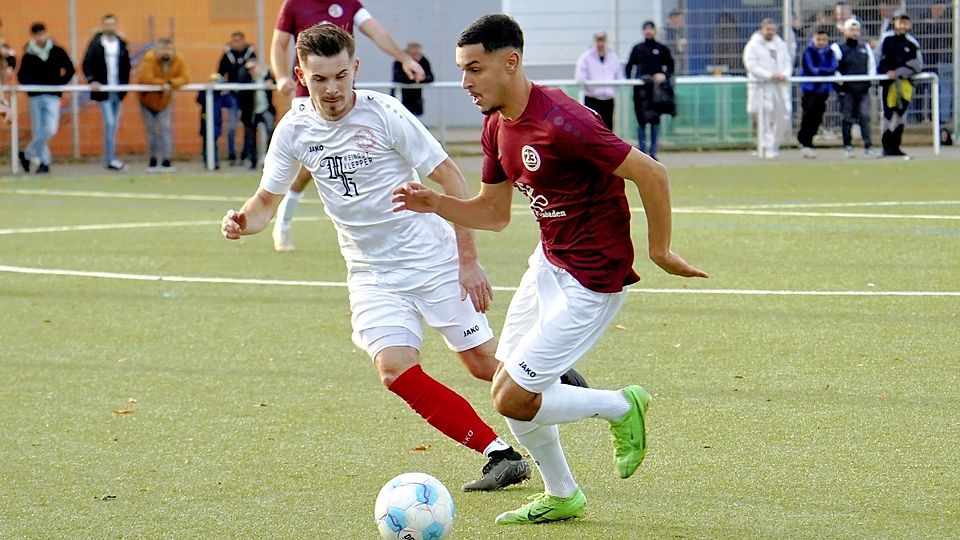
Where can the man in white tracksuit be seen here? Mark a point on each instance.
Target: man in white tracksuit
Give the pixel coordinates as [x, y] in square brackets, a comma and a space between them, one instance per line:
[767, 58]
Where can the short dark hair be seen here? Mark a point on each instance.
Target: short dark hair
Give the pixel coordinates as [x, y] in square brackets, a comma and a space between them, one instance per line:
[494, 31]
[108, 16]
[822, 31]
[238, 34]
[325, 40]
[648, 24]
[37, 27]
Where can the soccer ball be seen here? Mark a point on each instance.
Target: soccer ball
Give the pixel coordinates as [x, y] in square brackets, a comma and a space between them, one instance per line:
[414, 506]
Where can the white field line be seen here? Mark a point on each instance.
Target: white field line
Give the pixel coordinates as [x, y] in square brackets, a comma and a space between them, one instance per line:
[305, 283]
[131, 195]
[774, 206]
[134, 225]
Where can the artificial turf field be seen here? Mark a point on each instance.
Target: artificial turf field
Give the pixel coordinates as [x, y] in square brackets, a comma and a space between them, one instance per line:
[796, 394]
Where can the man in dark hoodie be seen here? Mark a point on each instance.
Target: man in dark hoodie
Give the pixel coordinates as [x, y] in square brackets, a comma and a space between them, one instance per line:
[44, 63]
[233, 69]
[107, 61]
[900, 59]
[651, 62]
[855, 57]
[818, 61]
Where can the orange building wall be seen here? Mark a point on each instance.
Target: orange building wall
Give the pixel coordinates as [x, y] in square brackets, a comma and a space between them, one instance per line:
[200, 28]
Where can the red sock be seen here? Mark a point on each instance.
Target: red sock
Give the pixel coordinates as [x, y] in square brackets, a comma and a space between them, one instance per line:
[443, 409]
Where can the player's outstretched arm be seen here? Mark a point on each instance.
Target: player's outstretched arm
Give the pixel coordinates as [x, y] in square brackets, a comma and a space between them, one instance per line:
[280, 61]
[651, 180]
[488, 211]
[253, 216]
[473, 280]
[382, 38]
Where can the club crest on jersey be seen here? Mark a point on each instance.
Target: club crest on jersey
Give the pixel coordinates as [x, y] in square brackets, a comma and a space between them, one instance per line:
[530, 158]
[365, 138]
[335, 11]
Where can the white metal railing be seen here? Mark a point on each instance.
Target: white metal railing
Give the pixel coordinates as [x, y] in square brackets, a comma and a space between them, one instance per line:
[210, 88]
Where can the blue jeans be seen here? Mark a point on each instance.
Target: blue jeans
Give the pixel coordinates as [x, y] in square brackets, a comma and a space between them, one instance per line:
[158, 131]
[44, 122]
[233, 119]
[945, 72]
[110, 109]
[642, 138]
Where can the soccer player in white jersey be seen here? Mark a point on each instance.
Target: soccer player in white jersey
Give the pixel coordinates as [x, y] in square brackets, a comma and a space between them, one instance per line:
[401, 268]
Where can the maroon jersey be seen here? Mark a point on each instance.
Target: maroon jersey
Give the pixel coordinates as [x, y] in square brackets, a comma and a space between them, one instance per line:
[297, 15]
[561, 156]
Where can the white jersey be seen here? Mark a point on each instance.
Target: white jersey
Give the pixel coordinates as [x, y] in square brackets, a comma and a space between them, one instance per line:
[356, 163]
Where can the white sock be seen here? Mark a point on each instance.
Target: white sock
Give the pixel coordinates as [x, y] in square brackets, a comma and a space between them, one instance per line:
[543, 443]
[562, 403]
[495, 446]
[287, 208]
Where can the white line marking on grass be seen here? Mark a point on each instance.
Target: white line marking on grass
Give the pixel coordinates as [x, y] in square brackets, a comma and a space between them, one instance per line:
[337, 284]
[774, 206]
[114, 226]
[132, 195]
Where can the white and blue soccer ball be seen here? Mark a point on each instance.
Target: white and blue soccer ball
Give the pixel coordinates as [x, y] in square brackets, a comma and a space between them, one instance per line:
[414, 506]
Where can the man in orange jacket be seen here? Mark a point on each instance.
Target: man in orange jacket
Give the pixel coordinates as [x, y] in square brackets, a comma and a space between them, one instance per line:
[165, 67]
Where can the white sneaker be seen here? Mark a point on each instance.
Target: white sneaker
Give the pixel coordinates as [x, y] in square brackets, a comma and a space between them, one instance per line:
[848, 152]
[282, 239]
[116, 165]
[873, 153]
[808, 152]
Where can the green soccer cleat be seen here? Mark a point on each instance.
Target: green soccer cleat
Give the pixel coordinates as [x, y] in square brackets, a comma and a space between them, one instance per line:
[629, 434]
[546, 508]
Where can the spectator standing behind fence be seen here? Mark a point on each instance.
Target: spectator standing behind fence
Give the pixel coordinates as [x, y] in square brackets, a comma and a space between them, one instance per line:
[855, 57]
[900, 59]
[651, 62]
[767, 60]
[44, 63]
[819, 60]
[412, 98]
[164, 67]
[233, 69]
[676, 40]
[256, 108]
[599, 63]
[217, 108]
[107, 61]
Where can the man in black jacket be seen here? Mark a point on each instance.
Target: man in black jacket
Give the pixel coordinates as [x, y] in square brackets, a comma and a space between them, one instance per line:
[900, 59]
[651, 62]
[44, 63]
[855, 57]
[233, 69]
[412, 98]
[107, 61]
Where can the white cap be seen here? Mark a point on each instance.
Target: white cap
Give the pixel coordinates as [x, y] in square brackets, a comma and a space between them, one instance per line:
[852, 22]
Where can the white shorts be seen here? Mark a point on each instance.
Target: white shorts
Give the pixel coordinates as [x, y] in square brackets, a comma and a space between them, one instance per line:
[551, 323]
[387, 315]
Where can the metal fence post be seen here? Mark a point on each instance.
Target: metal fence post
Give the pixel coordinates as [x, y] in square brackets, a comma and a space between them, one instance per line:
[209, 127]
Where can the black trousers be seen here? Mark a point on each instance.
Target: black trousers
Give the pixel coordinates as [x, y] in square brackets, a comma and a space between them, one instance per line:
[603, 107]
[813, 106]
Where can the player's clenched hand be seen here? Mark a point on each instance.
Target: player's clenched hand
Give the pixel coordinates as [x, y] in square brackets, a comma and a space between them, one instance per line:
[474, 283]
[672, 263]
[233, 224]
[415, 197]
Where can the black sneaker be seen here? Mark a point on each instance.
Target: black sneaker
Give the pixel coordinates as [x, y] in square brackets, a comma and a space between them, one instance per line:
[152, 167]
[574, 378]
[43, 169]
[505, 468]
[24, 162]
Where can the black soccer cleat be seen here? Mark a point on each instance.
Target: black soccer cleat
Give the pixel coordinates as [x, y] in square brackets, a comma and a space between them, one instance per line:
[505, 468]
[574, 378]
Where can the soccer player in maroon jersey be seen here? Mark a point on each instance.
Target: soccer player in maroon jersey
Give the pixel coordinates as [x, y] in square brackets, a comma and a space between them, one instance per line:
[294, 17]
[572, 168]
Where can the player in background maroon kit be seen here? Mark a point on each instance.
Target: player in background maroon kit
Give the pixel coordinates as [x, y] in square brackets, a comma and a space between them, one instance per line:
[294, 17]
[572, 169]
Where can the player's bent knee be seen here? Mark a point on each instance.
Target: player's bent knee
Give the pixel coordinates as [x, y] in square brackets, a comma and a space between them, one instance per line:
[480, 362]
[393, 362]
[513, 401]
